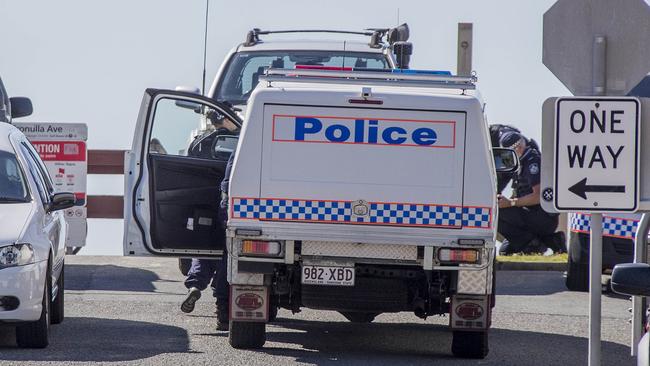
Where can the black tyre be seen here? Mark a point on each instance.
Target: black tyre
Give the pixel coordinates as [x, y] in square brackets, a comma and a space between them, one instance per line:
[247, 335]
[577, 276]
[359, 317]
[184, 265]
[36, 334]
[58, 305]
[467, 344]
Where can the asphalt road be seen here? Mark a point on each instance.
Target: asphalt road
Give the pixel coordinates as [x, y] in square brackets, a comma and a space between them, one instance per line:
[126, 311]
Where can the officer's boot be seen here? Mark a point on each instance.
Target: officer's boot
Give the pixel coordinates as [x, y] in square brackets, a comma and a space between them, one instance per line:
[222, 315]
[193, 294]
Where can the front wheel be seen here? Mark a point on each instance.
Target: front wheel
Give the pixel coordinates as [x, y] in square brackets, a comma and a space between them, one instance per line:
[466, 344]
[36, 334]
[247, 335]
[58, 305]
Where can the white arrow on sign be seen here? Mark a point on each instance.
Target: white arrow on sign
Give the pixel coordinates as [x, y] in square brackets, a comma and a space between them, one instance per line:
[596, 154]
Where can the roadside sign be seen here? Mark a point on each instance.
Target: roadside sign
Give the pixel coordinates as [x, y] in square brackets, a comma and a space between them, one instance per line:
[597, 154]
[569, 29]
[62, 147]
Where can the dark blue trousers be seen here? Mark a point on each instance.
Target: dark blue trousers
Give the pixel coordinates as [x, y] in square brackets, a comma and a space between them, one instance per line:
[211, 272]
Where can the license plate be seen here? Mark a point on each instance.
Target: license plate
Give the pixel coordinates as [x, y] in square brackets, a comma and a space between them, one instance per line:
[330, 276]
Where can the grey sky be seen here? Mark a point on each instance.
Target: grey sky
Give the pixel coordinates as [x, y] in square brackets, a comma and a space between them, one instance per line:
[89, 61]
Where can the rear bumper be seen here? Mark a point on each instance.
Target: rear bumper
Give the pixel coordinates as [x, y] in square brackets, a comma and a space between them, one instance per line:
[25, 283]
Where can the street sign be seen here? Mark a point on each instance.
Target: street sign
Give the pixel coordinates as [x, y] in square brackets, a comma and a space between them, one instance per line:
[62, 147]
[569, 29]
[597, 154]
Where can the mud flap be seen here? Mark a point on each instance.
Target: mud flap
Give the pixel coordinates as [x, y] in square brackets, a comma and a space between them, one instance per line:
[470, 312]
[249, 303]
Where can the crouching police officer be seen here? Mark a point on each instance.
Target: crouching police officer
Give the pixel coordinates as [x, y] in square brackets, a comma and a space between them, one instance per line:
[497, 131]
[522, 221]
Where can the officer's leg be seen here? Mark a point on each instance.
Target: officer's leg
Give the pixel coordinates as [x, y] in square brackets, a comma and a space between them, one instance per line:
[221, 290]
[543, 225]
[198, 278]
[513, 227]
[200, 273]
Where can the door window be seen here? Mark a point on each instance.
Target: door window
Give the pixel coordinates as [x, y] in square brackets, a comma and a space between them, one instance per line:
[41, 166]
[34, 171]
[186, 128]
[12, 184]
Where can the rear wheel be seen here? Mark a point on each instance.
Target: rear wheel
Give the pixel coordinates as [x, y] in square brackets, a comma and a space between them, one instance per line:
[577, 276]
[36, 334]
[58, 305]
[467, 344]
[247, 335]
[359, 317]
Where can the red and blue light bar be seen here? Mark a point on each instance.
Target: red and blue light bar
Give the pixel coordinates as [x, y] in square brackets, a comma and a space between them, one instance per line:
[388, 71]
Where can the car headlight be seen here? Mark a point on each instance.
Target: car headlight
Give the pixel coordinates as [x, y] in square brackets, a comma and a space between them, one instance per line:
[16, 255]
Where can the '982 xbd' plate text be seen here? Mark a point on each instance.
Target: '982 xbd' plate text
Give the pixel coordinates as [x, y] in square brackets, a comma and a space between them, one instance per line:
[326, 275]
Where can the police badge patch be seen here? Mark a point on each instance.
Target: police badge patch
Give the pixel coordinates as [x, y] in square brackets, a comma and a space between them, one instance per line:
[533, 168]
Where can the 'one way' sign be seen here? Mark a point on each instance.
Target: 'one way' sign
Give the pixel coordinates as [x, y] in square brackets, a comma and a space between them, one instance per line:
[597, 154]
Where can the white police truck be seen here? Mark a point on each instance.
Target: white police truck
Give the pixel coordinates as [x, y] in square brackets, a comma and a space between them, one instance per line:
[377, 48]
[362, 192]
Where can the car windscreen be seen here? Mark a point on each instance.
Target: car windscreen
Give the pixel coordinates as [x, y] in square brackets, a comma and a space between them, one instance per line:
[245, 68]
[12, 180]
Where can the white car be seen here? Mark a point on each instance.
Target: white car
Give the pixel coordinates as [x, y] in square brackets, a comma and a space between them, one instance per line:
[32, 241]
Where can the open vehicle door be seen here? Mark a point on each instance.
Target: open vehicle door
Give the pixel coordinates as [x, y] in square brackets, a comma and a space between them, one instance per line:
[181, 145]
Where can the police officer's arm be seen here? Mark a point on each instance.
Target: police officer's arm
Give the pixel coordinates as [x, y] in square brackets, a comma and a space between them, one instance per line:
[529, 199]
[531, 175]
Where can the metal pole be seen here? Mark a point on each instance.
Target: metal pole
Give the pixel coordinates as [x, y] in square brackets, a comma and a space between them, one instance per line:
[596, 241]
[595, 287]
[638, 302]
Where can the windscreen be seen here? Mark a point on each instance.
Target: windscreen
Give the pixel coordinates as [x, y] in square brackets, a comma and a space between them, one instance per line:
[12, 182]
[245, 68]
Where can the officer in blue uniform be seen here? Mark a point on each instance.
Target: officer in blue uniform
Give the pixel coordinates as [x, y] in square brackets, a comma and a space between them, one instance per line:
[204, 272]
[522, 221]
[496, 132]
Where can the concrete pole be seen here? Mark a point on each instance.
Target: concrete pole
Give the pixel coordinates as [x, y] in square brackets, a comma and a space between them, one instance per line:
[464, 57]
[596, 239]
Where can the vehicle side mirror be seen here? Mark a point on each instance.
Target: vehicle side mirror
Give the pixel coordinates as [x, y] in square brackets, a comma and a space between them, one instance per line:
[61, 201]
[505, 160]
[223, 146]
[631, 279]
[196, 107]
[20, 107]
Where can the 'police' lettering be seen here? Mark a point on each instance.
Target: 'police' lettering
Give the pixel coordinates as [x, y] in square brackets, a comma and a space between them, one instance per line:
[361, 131]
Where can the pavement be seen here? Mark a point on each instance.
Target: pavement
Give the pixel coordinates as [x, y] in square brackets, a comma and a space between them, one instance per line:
[126, 311]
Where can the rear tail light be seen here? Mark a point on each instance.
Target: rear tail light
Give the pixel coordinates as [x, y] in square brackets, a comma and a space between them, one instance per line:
[261, 248]
[449, 255]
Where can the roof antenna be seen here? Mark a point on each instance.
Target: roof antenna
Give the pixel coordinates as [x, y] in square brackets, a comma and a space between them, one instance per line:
[397, 16]
[205, 44]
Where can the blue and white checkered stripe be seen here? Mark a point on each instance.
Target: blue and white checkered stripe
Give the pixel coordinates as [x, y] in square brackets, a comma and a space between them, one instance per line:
[380, 213]
[612, 226]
